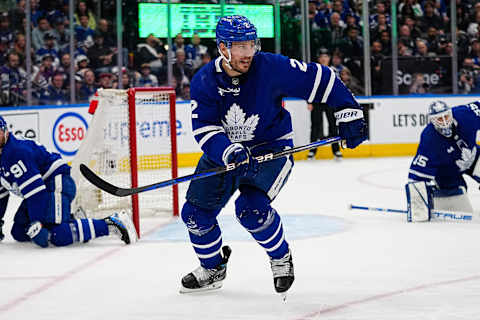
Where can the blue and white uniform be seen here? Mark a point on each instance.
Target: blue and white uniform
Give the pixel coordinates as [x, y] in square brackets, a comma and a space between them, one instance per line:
[43, 180]
[235, 113]
[445, 159]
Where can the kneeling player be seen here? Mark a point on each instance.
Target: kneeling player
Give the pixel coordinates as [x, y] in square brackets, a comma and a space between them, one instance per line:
[43, 180]
[446, 152]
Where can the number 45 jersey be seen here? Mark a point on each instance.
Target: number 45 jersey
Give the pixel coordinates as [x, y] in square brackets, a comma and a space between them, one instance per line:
[24, 168]
[446, 159]
[248, 109]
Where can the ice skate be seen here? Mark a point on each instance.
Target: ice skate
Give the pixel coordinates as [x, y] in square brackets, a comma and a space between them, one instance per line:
[311, 154]
[337, 156]
[202, 279]
[121, 224]
[282, 270]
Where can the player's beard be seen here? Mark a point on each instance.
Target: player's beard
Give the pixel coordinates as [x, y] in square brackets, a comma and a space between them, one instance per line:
[242, 65]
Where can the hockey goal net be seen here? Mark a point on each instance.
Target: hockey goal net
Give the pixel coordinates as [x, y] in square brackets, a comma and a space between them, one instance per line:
[131, 142]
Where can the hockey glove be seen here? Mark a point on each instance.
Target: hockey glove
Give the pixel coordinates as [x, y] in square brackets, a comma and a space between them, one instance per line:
[2, 236]
[351, 126]
[38, 234]
[237, 153]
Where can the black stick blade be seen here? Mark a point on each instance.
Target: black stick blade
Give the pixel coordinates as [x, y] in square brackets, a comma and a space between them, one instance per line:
[102, 184]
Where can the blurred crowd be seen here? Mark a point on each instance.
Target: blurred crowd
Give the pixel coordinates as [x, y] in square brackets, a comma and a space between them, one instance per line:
[424, 34]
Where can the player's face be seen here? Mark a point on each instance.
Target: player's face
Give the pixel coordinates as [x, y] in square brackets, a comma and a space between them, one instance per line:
[3, 138]
[242, 55]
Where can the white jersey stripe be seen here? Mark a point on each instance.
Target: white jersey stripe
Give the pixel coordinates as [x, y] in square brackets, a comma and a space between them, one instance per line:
[275, 189]
[206, 256]
[207, 129]
[80, 230]
[272, 237]
[208, 245]
[58, 199]
[32, 179]
[34, 191]
[318, 78]
[92, 229]
[4, 194]
[56, 164]
[207, 136]
[279, 243]
[423, 175]
[326, 94]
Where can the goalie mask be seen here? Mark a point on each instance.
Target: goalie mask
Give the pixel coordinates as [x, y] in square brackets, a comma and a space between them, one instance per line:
[440, 115]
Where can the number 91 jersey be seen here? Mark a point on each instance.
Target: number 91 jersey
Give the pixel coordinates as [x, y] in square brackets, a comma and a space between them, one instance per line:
[446, 159]
[24, 168]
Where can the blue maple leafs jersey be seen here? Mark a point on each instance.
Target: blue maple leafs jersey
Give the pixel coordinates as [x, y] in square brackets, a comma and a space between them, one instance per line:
[24, 166]
[248, 109]
[443, 159]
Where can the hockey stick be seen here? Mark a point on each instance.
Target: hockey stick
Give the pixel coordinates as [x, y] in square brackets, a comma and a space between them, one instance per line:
[449, 215]
[122, 192]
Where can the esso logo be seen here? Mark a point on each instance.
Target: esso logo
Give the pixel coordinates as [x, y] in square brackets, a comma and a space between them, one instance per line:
[69, 131]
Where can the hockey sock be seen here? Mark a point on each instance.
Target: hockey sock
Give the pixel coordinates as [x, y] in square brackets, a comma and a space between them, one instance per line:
[205, 234]
[254, 212]
[79, 230]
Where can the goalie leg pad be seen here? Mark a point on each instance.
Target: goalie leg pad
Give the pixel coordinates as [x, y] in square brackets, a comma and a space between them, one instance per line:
[455, 200]
[205, 234]
[419, 201]
[255, 214]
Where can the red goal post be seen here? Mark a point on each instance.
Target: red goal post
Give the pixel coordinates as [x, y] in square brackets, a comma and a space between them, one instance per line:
[131, 141]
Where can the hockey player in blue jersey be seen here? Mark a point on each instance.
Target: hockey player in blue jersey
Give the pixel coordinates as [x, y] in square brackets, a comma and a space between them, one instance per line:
[446, 152]
[43, 180]
[237, 114]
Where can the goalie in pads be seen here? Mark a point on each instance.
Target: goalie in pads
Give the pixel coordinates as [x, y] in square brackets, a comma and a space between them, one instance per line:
[446, 152]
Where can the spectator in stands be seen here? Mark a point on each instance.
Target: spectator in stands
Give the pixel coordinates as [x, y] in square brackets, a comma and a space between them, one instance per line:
[82, 63]
[101, 57]
[337, 26]
[205, 59]
[3, 51]
[55, 93]
[422, 49]
[380, 26]
[38, 33]
[36, 13]
[376, 65]
[83, 33]
[410, 8]
[430, 18]
[467, 76]
[182, 72]
[82, 10]
[146, 79]
[6, 33]
[386, 44]
[337, 62]
[403, 49]
[17, 14]
[19, 47]
[12, 81]
[186, 92]
[49, 47]
[351, 82]
[418, 84]
[105, 80]
[88, 87]
[46, 69]
[352, 48]
[151, 52]
[475, 52]
[178, 43]
[62, 35]
[404, 35]
[194, 51]
[415, 31]
[473, 27]
[108, 35]
[380, 10]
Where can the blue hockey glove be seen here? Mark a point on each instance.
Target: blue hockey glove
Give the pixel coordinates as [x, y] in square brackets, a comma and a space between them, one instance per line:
[2, 236]
[38, 234]
[351, 126]
[237, 153]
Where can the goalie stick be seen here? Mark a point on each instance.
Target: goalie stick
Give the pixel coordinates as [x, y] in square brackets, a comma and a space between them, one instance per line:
[123, 192]
[446, 215]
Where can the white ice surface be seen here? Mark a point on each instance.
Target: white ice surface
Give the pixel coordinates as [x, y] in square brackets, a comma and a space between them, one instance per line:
[376, 267]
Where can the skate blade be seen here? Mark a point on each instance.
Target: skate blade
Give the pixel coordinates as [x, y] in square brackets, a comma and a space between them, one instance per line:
[213, 286]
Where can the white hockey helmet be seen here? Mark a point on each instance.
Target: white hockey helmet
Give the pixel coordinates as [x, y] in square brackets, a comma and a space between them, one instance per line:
[440, 115]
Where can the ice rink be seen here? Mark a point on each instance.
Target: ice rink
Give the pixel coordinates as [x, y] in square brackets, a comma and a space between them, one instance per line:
[348, 264]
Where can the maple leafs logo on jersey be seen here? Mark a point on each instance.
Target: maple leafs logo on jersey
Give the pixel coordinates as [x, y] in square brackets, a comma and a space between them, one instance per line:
[468, 156]
[13, 188]
[237, 127]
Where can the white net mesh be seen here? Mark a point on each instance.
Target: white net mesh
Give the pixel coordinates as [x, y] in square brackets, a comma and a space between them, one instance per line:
[106, 150]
